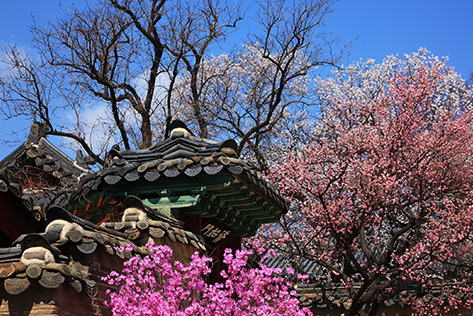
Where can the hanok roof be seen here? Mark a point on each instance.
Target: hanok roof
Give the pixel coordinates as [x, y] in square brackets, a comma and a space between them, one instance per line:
[336, 296]
[55, 256]
[196, 176]
[320, 293]
[43, 154]
[39, 173]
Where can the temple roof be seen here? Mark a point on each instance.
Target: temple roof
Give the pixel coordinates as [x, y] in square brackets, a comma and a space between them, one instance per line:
[39, 173]
[44, 155]
[198, 177]
[320, 293]
[336, 297]
[56, 256]
[182, 174]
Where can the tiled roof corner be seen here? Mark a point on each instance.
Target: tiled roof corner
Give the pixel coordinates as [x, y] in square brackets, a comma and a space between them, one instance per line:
[184, 162]
[50, 258]
[39, 157]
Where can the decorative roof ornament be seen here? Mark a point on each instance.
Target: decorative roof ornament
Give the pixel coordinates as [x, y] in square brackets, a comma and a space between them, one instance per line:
[177, 129]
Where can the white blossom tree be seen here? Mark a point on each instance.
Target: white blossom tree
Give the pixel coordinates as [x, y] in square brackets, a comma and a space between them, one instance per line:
[248, 97]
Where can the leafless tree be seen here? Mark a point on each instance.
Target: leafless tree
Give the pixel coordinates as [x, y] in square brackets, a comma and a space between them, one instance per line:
[140, 63]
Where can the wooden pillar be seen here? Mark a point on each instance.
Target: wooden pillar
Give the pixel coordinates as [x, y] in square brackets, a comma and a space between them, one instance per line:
[233, 243]
[217, 252]
[191, 222]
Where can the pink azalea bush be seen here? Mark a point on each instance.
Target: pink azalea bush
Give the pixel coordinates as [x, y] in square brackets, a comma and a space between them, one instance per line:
[155, 285]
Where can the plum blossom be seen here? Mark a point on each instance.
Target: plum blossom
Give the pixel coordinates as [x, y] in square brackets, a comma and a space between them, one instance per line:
[383, 196]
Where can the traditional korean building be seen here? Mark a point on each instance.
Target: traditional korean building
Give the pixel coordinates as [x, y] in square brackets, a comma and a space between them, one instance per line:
[330, 299]
[327, 297]
[32, 177]
[64, 222]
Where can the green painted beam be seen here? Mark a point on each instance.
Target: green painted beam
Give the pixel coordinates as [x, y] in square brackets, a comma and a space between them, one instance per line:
[221, 196]
[182, 201]
[175, 185]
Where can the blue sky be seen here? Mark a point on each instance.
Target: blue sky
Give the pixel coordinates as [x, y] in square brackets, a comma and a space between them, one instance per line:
[381, 27]
[385, 27]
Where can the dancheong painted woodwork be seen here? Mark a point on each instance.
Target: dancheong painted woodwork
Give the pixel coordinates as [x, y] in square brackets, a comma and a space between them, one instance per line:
[186, 175]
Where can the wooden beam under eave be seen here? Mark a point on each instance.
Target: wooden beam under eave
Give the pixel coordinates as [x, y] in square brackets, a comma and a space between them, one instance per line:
[15, 219]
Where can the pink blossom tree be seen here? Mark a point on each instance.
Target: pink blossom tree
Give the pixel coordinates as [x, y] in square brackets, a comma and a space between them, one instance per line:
[155, 285]
[384, 195]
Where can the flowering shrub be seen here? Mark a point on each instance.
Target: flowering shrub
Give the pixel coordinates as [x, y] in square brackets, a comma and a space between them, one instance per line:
[154, 285]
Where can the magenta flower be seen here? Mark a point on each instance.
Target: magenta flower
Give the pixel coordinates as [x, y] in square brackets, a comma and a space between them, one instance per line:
[154, 285]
